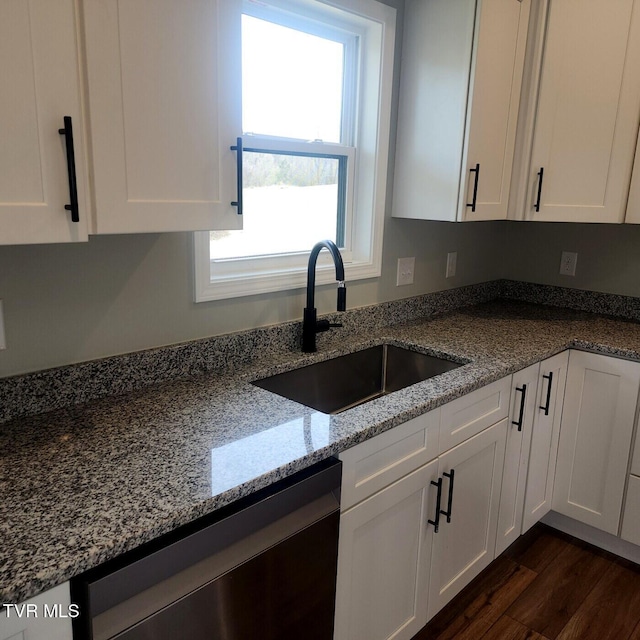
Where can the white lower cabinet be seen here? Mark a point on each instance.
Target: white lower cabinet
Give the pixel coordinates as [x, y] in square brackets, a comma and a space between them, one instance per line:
[537, 394]
[541, 468]
[595, 439]
[524, 386]
[46, 617]
[465, 542]
[400, 557]
[383, 560]
[631, 519]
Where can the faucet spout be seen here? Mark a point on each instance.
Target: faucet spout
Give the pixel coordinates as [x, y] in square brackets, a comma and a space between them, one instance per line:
[310, 323]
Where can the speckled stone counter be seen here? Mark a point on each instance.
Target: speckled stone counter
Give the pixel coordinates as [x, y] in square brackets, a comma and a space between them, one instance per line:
[85, 483]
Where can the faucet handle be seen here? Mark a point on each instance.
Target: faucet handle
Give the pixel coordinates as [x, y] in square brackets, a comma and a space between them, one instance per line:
[325, 325]
[342, 296]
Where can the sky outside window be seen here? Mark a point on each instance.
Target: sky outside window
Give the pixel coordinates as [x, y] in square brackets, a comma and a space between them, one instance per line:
[291, 82]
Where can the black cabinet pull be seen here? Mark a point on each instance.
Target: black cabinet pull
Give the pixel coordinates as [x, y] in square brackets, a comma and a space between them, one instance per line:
[67, 132]
[447, 513]
[472, 204]
[436, 522]
[519, 421]
[536, 206]
[548, 404]
[238, 148]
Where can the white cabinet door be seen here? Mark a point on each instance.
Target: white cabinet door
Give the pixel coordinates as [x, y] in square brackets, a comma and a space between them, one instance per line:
[544, 438]
[595, 438]
[466, 545]
[496, 81]
[165, 103]
[383, 561]
[631, 520]
[516, 459]
[46, 617]
[40, 86]
[462, 69]
[587, 113]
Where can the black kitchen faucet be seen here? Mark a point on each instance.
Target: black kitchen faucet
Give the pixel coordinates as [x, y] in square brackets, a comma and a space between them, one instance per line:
[310, 323]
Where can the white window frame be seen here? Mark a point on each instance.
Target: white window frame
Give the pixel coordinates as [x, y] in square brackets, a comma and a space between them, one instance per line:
[221, 279]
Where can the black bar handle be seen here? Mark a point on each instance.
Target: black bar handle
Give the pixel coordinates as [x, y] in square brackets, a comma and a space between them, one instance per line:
[536, 206]
[238, 148]
[67, 132]
[436, 522]
[519, 421]
[447, 513]
[548, 404]
[472, 204]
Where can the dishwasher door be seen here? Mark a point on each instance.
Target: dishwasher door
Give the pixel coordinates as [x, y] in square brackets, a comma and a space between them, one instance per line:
[267, 570]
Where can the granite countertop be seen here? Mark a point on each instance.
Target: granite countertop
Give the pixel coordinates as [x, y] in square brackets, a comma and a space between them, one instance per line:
[84, 484]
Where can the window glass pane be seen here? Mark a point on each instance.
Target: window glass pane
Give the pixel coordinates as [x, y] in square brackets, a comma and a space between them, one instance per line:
[289, 203]
[292, 82]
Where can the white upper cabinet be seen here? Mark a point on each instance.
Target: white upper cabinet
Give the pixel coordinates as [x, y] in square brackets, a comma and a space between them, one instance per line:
[164, 88]
[587, 113]
[462, 67]
[40, 79]
[633, 206]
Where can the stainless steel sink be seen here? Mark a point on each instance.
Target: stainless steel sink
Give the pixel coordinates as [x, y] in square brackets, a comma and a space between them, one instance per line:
[338, 384]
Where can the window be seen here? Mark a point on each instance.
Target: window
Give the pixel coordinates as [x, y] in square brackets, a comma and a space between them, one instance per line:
[316, 83]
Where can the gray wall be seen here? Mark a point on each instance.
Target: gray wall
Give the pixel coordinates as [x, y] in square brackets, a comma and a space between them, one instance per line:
[608, 255]
[115, 294]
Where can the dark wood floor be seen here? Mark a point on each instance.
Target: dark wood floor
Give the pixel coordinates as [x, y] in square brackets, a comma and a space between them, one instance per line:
[546, 586]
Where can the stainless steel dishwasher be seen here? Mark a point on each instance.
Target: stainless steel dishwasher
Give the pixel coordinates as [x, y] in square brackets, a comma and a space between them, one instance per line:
[262, 568]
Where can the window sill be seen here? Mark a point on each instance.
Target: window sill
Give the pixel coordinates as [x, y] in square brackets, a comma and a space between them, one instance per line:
[208, 289]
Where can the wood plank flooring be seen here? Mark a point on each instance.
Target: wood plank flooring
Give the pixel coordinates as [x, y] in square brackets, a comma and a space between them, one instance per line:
[546, 586]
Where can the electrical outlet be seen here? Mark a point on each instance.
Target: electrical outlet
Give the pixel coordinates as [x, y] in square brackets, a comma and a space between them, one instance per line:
[568, 263]
[406, 268]
[452, 263]
[3, 343]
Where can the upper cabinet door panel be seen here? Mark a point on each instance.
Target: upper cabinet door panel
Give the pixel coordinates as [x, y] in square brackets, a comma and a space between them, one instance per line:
[462, 66]
[40, 86]
[588, 110]
[434, 84]
[164, 91]
[496, 83]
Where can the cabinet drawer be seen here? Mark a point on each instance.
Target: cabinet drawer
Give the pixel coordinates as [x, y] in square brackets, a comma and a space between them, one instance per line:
[469, 415]
[376, 463]
[631, 519]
